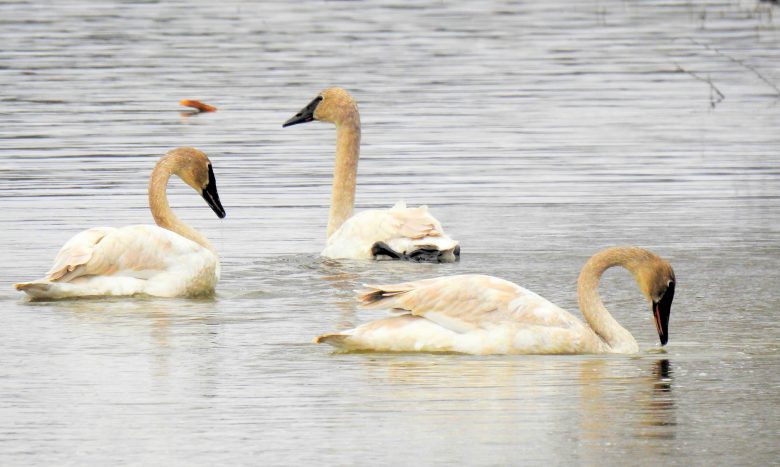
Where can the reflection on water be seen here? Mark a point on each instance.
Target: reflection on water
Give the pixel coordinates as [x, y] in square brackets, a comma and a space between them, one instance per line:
[661, 404]
[642, 405]
[538, 132]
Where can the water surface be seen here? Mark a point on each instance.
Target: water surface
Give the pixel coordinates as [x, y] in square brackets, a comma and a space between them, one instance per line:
[537, 132]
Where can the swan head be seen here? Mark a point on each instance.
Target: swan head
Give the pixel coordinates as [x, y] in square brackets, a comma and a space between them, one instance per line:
[655, 277]
[194, 167]
[334, 105]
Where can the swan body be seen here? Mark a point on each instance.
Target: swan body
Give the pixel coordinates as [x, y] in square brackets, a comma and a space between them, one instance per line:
[165, 260]
[396, 233]
[479, 314]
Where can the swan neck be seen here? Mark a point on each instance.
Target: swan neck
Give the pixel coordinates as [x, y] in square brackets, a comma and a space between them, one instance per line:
[161, 210]
[344, 173]
[615, 336]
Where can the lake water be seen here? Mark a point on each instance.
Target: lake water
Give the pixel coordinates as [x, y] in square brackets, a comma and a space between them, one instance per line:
[538, 132]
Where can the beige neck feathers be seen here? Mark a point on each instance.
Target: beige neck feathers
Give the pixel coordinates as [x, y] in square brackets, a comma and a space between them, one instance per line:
[161, 211]
[345, 172]
[591, 306]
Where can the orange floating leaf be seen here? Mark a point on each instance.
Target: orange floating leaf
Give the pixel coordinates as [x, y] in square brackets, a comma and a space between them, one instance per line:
[198, 105]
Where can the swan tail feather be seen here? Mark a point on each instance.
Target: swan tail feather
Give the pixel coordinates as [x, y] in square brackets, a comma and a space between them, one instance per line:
[73, 257]
[36, 289]
[378, 296]
[31, 285]
[335, 339]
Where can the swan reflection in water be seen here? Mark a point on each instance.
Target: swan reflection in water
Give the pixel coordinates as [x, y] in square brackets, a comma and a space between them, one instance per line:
[631, 408]
[538, 405]
[661, 403]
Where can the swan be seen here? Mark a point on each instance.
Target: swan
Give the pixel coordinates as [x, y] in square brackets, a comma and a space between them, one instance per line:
[478, 314]
[169, 259]
[396, 233]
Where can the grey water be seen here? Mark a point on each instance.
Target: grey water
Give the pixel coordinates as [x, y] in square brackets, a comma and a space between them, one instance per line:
[537, 132]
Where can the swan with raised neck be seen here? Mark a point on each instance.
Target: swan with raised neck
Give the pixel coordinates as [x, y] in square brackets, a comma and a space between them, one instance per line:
[397, 233]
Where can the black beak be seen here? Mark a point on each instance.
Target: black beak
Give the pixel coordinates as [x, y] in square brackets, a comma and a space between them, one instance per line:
[211, 196]
[305, 115]
[661, 310]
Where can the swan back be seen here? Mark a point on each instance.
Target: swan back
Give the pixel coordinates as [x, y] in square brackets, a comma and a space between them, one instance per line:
[399, 232]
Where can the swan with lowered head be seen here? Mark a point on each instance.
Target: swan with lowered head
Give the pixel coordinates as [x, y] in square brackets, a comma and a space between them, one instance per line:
[169, 259]
[482, 315]
[395, 233]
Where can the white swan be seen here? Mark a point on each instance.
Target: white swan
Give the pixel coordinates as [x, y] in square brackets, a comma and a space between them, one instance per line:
[396, 233]
[171, 260]
[481, 315]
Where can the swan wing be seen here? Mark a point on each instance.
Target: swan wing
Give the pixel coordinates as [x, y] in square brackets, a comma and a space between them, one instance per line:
[468, 302]
[76, 253]
[415, 223]
[136, 251]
